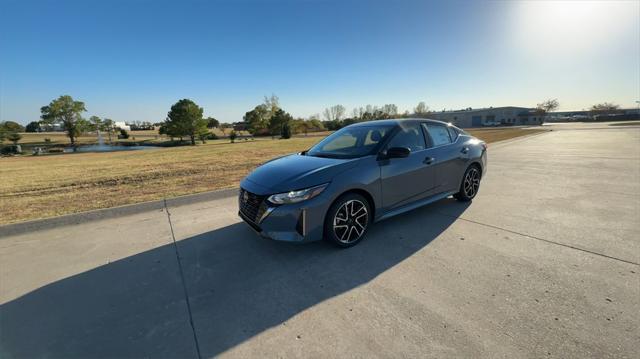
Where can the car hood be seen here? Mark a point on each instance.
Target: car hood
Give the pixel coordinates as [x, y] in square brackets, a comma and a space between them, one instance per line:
[294, 172]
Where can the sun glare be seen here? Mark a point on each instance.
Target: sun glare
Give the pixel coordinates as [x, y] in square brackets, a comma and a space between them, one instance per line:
[572, 27]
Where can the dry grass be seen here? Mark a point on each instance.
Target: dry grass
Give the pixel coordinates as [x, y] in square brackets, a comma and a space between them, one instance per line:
[34, 187]
[60, 138]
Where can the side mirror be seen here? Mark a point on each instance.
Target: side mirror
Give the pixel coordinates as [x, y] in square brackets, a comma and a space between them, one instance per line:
[398, 152]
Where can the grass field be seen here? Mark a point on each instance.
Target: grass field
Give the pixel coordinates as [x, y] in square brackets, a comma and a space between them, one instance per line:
[60, 138]
[44, 186]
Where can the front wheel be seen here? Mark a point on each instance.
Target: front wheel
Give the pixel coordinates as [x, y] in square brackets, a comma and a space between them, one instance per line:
[347, 220]
[470, 184]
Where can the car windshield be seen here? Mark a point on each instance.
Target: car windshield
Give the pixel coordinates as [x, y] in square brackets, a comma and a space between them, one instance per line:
[351, 142]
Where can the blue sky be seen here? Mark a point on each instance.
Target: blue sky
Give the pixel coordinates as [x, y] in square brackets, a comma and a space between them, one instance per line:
[130, 60]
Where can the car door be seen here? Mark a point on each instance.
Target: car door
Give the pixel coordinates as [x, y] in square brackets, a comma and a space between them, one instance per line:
[404, 180]
[449, 156]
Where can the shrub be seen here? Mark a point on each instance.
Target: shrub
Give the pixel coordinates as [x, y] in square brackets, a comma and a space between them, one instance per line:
[123, 134]
[286, 130]
[232, 136]
[14, 137]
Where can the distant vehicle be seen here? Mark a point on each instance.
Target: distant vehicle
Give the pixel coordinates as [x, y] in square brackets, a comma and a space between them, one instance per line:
[363, 173]
[492, 123]
[580, 118]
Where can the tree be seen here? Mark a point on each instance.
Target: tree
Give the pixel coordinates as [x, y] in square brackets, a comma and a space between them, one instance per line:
[258, 119]
[11, 126]
[542, 109]
[278, 120]
[203, 134]
[33, 126]
[95, 123]
[232, 136]
[334, 113]
[604, 108]
[185, 119]
[286, 130]
[109, 126]
[390, 110]
[422, 109]
[315, 124]
[67, 111]
[272, 104]
[14, 137]
[212, 122]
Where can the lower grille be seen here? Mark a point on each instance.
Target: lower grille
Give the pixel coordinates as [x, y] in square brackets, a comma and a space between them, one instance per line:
[252, 206]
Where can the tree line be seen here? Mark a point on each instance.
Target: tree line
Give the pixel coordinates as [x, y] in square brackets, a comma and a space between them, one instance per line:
[185, 119]
[268, 118]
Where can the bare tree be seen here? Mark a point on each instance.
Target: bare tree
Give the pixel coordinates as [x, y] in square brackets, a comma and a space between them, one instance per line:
[542, 109]
[334, 113]
[272, 104]
[390, 110]
[604, 108]
[421, 109]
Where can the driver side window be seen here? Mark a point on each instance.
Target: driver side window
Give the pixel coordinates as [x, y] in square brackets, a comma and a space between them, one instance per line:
[409, 136]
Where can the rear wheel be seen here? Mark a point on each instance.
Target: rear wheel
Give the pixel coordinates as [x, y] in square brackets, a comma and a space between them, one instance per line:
[470, 184]
[347, 220]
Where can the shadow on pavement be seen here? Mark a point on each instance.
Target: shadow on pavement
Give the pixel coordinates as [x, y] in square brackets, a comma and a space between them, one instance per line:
[239, 285]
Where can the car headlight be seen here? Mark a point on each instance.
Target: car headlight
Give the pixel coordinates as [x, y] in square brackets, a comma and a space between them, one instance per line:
[297, 196]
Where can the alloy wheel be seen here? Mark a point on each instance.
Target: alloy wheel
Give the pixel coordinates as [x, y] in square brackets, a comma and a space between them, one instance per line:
[471, 182]
[350, 221]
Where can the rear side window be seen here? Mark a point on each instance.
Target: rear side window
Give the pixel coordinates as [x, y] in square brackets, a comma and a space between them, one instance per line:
[439, 134]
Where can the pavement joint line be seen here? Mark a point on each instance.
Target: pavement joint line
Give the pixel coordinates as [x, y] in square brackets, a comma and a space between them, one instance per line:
[184, 285]
[543, 240]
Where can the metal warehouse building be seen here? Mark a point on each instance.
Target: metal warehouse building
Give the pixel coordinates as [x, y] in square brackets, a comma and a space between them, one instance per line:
[514, 116]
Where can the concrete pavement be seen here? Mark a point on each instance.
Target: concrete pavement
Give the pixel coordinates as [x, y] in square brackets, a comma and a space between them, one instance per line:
[543, 263]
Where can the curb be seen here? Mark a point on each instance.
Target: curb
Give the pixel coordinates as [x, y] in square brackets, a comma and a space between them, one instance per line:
[113, 212]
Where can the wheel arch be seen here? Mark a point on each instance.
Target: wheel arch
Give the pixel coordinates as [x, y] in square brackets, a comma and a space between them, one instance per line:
[360, 191]
[476, 164]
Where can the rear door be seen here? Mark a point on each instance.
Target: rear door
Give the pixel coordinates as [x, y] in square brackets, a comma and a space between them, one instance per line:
[404, 180]
[450, 156]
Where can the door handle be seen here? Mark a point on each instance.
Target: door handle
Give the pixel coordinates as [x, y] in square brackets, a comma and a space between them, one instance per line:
[429, 160]
[464, 150]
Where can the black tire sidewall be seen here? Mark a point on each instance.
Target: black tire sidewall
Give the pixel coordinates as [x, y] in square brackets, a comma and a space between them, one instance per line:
[329, 235]
[461, 196]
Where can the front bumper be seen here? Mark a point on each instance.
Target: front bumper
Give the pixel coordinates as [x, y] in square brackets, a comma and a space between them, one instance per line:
[299, 222]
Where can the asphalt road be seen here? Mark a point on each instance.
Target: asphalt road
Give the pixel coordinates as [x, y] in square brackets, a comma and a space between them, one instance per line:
[543, 263]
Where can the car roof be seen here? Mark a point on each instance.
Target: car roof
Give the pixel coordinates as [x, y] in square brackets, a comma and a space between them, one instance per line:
[395, 121]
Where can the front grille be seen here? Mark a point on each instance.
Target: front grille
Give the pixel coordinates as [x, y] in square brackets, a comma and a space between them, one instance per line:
[252, 206]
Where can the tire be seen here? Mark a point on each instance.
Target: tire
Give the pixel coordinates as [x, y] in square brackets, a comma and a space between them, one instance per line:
[470, 184]
[347, 220]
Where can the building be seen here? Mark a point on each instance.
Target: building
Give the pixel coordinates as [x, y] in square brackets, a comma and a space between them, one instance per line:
[240, 126]
[121, 125]
[492, 116]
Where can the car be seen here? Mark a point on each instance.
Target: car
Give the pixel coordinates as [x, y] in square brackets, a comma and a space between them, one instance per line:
[361, 174]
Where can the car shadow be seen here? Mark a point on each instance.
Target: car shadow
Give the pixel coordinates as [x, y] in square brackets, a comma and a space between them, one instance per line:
[239, 285]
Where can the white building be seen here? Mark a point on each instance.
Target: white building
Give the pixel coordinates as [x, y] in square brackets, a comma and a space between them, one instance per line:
[122, 125]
